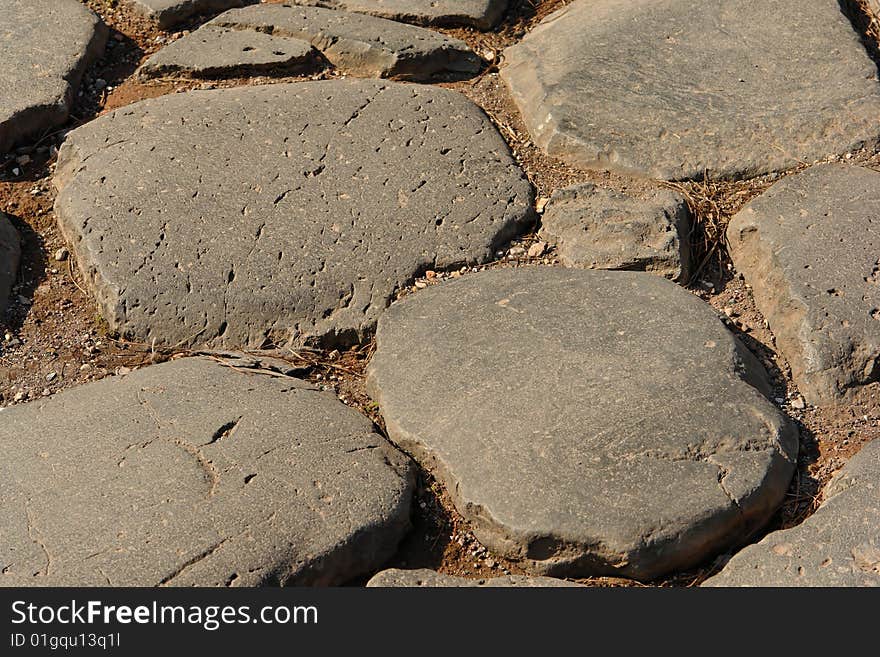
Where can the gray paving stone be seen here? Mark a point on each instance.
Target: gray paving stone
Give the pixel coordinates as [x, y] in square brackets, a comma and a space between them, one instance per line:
[678, 89]
[482, 14]
[45, 47]
[214, 218]
[839, 545]
[169, 13]
[810, 249]
[584, 422]
[428, 578]
[192, 473]
[10, 254]
[600, 228]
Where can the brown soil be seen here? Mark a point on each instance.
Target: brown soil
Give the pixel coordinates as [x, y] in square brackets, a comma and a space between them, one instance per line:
[53, 338]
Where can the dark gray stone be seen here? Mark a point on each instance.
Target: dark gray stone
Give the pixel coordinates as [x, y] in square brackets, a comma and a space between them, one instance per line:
[168, 13]
[839, 545]
[45, 47]
[679, 89]
[213, 217]
[355, 44]
[600, 228]
[192, 473]
[810, 249]
[10, 254]
[429, 578]
[584, 422]
[482, 14]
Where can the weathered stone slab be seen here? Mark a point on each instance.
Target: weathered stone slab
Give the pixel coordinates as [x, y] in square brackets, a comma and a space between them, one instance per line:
[45, 47]
[482, 14]
[168, 13]
[585, 422]
[598, 228]
[397, 578]
[213, 217]
[10, 254]
[839, 545]
[810, 248]
[359, 45]
[678, 89]
[192, 473]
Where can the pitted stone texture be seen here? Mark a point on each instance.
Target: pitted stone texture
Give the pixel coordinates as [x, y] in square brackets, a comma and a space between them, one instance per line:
[355, 44]
[585, 422]
[192, 473]
[168, 13]
[839, 545]
[45, 47]
[10, 254]
[213, 217]
[600, 228]
[428, 578]
[678, 89]
[810, 248]
[482, 14]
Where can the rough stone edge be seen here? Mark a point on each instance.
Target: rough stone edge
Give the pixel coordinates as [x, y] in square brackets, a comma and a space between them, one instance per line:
[402, 578]
[166, 19]
[497, 9]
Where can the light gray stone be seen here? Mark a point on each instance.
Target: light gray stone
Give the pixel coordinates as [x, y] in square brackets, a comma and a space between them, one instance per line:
[810, 249]
[213, 217]
[839, 545]
[192, 473]
[600, 228]
[168, 13]
[355, 44]
[678, 89]
[395, 577]
[45, 47]
[482, 14]
[10, 254]
[584, 422]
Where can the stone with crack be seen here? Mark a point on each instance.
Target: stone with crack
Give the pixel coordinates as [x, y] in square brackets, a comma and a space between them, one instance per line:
[193, 473]
[810, 249]
[275, 38]
[397, 578]
[584, 422]
[839, 545]
[45, 47]
[211, 217]
[600, 228]
[169, 13]
[680, 89]
[482, 14]
[10, 254]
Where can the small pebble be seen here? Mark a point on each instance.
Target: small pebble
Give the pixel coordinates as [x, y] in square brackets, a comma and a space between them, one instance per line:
[51, 376]
[61, 254]
[537, 249]
[798, 403]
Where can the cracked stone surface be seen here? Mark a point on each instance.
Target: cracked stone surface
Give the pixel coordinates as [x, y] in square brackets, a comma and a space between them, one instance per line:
[839, 545]
[192, 473]
[598, 228]
[678, 89]
[10, 254]
[395, 577]
[45, 47]
[585, 422]
[482, 14]
[810, 248]
[168, 13]
[211, 217]
[264, 36]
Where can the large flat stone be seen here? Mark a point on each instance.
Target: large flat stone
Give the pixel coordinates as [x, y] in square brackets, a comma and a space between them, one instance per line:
[600, 228]
[680, 89]
[584, 422]
[10, 254]
[810, 249]
[839, 545]
[397, 578]
[168, 13]
[213, 217]
[192, 473]
[355, 44]
[483, 14]
[45, 47]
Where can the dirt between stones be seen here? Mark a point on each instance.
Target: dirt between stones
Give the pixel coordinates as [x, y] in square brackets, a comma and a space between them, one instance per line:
[52, 336]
